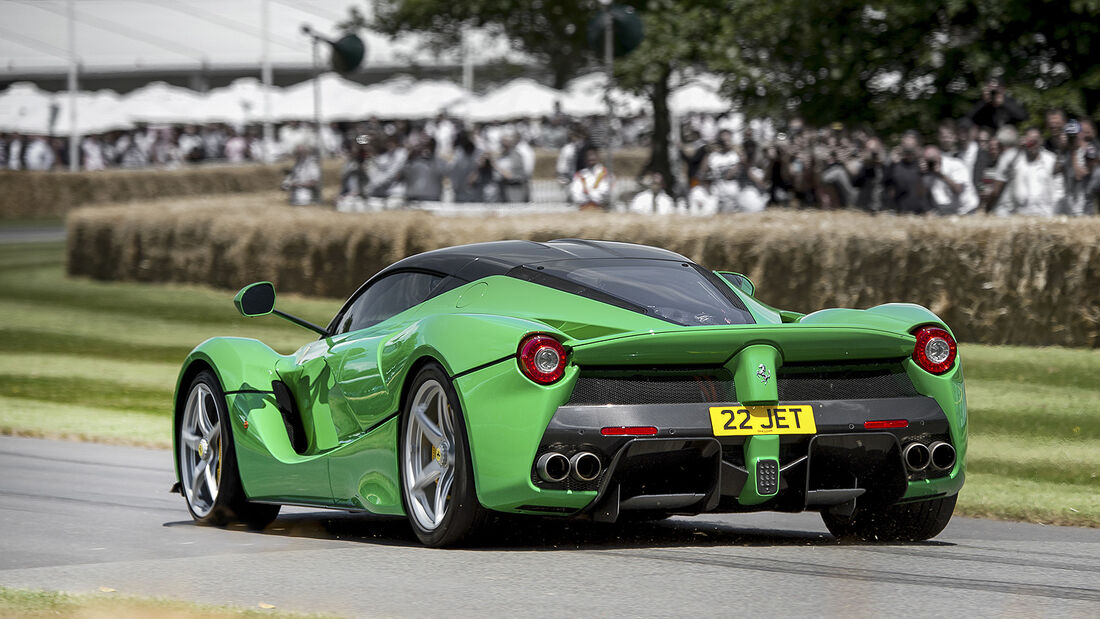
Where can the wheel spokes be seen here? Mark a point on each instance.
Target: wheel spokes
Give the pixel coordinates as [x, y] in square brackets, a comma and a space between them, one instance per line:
[428, 429]
[428, 475]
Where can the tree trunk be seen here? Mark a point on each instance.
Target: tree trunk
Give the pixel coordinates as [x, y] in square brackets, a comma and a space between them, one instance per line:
[658, 154]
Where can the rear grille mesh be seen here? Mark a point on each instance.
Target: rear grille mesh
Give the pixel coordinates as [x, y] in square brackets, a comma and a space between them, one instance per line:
[654, 386]
[713, 385]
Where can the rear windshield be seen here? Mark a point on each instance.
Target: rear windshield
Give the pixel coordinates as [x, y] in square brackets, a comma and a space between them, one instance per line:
[679, 292]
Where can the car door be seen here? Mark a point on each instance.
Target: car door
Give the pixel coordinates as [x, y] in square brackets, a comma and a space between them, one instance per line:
[361, 331]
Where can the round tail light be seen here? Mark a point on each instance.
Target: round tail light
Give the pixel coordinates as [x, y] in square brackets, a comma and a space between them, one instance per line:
[542, 359]
[935, 350]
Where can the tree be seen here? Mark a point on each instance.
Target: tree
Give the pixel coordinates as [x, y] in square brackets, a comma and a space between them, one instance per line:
[894, 64]
[550, 31]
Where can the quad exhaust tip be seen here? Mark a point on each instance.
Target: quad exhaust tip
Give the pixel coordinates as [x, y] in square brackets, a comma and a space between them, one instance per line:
[942, 456]
[553, 467]
[585, 466]
[917, 456]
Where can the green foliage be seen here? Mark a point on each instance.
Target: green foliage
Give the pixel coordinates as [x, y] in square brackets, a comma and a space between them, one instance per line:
[551, 31]
[895, 65]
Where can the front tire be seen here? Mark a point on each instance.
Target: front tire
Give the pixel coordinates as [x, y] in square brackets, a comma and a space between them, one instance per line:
[209, 479]
[908, 522]
[437, 477]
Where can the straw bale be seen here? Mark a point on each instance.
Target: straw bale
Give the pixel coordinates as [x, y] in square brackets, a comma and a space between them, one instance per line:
[994, 280]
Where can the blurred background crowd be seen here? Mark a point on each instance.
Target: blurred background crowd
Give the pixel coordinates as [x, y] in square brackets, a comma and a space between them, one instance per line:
[897, 115]
[986, 161]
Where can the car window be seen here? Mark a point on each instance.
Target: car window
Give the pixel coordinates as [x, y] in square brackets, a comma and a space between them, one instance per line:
[677, 292]
[387, 297]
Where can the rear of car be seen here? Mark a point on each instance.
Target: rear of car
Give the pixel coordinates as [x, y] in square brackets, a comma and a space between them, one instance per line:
[852, 413]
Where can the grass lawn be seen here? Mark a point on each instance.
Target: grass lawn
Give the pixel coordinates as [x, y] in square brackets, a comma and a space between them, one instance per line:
[24, 603]
[98, 361]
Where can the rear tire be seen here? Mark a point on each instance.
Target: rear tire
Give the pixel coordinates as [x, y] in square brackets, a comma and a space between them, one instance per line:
[909, 522]
[437, 475]
[209, 479]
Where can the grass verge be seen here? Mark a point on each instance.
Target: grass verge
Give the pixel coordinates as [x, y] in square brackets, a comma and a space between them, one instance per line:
[98, 361]
[31, 604]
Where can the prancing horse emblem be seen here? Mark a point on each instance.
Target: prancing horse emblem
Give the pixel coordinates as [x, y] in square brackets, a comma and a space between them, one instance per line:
[762, 373]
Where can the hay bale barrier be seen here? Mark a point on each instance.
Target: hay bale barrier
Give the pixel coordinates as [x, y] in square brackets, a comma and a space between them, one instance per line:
[994, 280]
[37, 195]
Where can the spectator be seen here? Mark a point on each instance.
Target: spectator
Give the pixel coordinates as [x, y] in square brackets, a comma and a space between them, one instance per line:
[997, 108]
[950, 187]
[592, 185]
[721, 163]
[424, 173]
[969, 146]
[355, 178]
[869, 180]
[701, 199]
[302, 184]
[1074, 168]
[15, 152]
[510, 171]
[465, 170]
[654, 199]
[386, 167]
[753, 194]
[1031, 186]
[948, 138]
[92, 153]
[905, 191]
[235, 148]
[569, 157]
[1055, 140]
[39, 155]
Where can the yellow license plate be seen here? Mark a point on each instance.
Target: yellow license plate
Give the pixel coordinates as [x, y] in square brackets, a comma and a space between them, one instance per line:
[756, 420]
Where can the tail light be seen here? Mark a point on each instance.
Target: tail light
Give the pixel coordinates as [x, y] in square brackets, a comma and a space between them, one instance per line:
[935, 350]
[542, 359]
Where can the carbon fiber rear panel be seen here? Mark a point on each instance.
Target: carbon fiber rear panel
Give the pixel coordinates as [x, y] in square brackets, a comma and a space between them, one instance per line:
[702, 385]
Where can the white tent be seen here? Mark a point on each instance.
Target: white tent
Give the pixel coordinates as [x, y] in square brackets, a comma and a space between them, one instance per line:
[341, 99]
[585, 97]
[520, 98]
[25, 109]
[240, 103]
[158, 103]
[97, 112]
[700, 95]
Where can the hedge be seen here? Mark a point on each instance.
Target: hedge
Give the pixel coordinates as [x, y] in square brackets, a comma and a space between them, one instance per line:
[994, 280]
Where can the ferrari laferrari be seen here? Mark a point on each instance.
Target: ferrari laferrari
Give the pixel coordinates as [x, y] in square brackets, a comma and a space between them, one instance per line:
[576, 379]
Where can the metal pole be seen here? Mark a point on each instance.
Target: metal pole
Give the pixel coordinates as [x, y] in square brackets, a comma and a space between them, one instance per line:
[74, 135]
[266, 78]
[467, 62]
[317, 113]
[609, 62]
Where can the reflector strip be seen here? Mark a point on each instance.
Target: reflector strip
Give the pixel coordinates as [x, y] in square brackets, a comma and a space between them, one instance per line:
[629, 431]
[889, 423]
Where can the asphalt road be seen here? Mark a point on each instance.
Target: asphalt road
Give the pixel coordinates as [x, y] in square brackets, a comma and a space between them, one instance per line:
[31, 234]
[77, 517]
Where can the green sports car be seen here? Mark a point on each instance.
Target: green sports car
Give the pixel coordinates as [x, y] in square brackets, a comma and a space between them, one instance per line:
[576, 378]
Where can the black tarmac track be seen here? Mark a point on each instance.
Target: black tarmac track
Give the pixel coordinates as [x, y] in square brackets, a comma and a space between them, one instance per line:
[78, 517]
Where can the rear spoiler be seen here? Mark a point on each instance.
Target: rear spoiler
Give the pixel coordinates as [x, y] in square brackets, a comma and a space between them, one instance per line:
[795, 342]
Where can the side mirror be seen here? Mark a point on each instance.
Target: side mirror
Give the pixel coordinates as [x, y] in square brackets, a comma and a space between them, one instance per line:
[256, 299]
[739, 281]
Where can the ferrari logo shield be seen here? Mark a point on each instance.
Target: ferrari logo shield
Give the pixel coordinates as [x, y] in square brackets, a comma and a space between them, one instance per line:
[762, 373]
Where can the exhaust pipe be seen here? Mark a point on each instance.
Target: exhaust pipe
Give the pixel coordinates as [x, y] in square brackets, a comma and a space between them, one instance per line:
[916, 456]
[943, 456]
[585, 465]
[552, 467]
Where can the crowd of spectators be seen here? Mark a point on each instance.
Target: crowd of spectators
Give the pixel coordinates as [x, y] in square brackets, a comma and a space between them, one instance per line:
[987, 161]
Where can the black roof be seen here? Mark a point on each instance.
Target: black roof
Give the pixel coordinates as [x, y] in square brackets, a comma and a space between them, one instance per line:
[478, 260]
